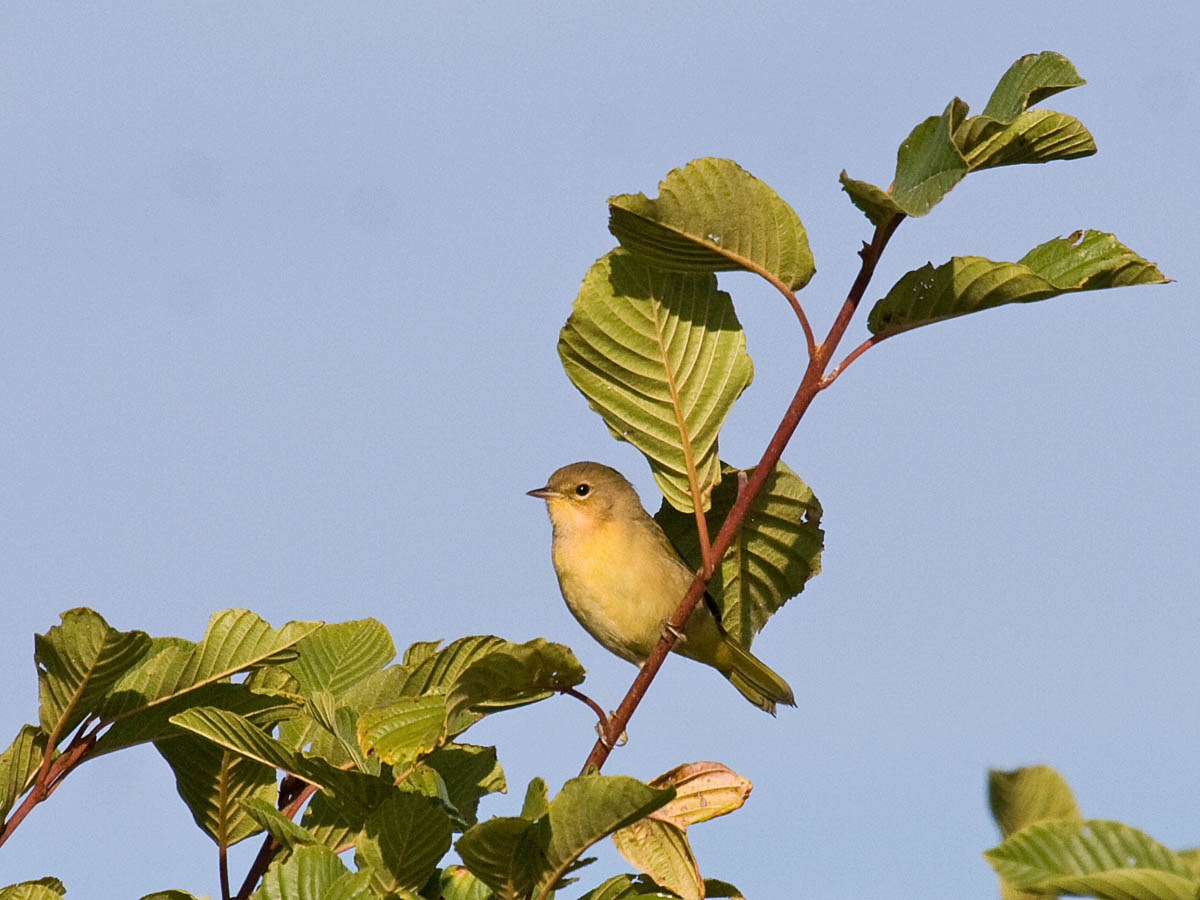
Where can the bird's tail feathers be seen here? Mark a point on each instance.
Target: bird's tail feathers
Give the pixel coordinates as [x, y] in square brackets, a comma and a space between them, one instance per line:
[755, 680]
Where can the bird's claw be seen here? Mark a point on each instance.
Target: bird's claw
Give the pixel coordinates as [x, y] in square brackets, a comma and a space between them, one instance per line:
[602, 730]
[678, 633]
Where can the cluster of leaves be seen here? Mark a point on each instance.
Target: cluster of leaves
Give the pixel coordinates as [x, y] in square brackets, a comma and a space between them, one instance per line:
[310, 735]
[1050, 849]
[657, 349]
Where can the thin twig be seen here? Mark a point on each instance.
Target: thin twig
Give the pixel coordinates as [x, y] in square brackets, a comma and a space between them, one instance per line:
[809, 386]
[595, 707]
[851, 357]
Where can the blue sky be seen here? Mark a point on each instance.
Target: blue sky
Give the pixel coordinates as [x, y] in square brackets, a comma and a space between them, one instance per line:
[282, 287]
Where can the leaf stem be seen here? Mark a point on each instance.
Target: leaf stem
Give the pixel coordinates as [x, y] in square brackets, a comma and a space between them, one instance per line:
[810, 386]
[592, 704]
[223, 871]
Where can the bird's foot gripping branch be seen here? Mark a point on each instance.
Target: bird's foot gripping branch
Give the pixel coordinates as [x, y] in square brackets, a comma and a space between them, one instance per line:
[309, 738]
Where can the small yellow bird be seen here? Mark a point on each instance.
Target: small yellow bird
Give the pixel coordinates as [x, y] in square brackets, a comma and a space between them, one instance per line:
[622, 579]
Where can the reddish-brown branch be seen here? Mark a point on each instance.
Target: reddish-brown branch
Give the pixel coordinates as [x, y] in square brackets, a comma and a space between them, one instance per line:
[293, 794]
[810, 385]
[49, 777]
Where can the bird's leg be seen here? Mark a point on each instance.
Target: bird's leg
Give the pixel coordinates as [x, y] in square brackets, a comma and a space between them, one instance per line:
[671, 629]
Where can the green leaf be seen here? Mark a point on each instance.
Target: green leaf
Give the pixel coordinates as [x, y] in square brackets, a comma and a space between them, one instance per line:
[213, 782]
[1029, 81]
[587, 809]
[284, 830]
[404, 731]
[437, 671]
[334, 735]
[420, 651]
[514, 675]
[19, 765]
[776, 551]
[505, 853]
[38, 889]
[1020, 797]
[236, 640]
[1084, 261]
[457, 883]
[235, 733]
[153, 722]
[469, 772]
[537, 800]
[661, 357]
[1191, 858]
[711, 216]
[333, 825]
[1096, 858]
[624, 886]
[928, 163]
[662, 851]
[1009, 132]
[77, 662]
[715, 888]
[171, 895]
[336, 657]
[941, 150]
[402, 842]
[312, 873]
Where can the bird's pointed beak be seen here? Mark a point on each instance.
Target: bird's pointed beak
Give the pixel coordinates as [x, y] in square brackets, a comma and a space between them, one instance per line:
[542, 493]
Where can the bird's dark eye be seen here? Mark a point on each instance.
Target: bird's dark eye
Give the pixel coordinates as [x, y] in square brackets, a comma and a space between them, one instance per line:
[581, 490]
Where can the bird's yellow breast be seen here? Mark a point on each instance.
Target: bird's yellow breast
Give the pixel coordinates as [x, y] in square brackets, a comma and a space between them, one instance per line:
[616, 579]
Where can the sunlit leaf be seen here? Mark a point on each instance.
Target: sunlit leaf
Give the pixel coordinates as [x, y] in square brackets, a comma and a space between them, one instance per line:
[661, 850]
[235, 733]
[1020, 797]
[703, 791]
[1084, 261]
[537, 800]
[153, 722]
[941, 150]
[712, 215]
[335, 657]
[213, 782]
[469, 773]
[626, 887]
[776, 551]
[19, 765]
[439, 669]
[312, 873]
[404, 731]
[714, 887]
[457, 883]
[587, 809]
[402, 841]
[661, 357]
[235, 641]
[1095, 857]
[506, 853]
[39, 889]
[78, 661]
[514, 675]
